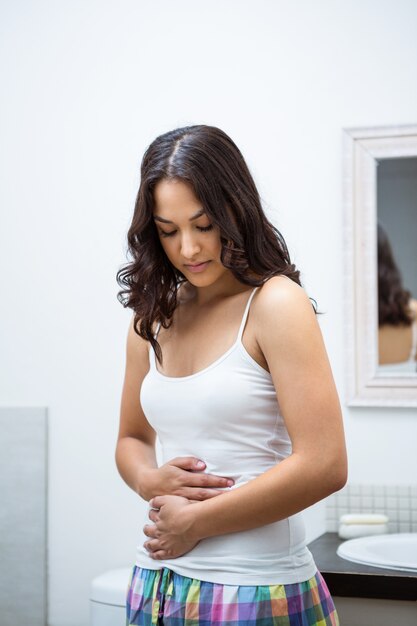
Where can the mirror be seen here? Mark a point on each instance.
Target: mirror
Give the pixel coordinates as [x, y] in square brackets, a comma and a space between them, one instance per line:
[397, 265]
[380, 244]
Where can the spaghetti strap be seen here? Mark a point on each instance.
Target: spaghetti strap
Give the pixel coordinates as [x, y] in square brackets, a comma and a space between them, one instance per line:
[245, 315]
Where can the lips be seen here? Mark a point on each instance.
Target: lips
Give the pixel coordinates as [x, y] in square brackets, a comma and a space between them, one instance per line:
[195, 264]
[197, 267]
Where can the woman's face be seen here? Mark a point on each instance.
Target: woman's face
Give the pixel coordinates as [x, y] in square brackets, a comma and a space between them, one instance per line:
[190, 241]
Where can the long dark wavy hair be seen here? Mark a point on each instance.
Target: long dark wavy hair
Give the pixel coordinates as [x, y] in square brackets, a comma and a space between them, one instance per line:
[393, 299]
[252, 248]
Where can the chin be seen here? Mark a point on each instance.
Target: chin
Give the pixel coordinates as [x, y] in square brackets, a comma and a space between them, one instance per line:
[200, 281]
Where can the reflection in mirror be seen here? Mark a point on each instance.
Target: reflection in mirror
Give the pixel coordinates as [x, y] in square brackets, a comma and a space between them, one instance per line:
[397, 265]
[380, 187]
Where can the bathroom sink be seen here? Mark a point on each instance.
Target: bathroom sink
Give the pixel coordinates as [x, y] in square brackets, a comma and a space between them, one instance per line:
[391, 551]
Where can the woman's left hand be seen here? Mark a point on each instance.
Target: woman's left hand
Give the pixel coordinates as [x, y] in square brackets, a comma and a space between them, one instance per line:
[170, 534]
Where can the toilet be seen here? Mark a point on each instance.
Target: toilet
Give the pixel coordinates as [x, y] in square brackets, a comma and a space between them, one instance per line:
[108, 598]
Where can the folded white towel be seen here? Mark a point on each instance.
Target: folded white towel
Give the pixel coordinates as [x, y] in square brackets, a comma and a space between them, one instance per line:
[364, 518]
[349, 531]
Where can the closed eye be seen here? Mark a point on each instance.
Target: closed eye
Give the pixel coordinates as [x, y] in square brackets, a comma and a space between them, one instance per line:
[203, 229]
[164, 234]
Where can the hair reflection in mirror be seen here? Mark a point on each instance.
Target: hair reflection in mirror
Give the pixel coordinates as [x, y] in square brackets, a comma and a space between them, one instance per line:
[393, 299]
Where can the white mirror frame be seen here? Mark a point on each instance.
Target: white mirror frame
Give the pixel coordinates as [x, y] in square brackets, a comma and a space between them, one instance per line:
[362, 148]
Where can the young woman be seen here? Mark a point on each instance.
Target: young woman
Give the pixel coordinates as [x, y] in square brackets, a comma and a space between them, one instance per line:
[226, 365]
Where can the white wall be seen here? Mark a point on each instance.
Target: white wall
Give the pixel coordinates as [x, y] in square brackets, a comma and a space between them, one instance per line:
[86, 86]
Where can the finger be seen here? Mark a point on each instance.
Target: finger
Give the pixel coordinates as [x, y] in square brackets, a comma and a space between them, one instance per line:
[151, 531]
[151, 545]
[200, 494]
[189, 463]
[157, 502]
[208, 480]
[211, 493]
[153, 515]
[159, 554]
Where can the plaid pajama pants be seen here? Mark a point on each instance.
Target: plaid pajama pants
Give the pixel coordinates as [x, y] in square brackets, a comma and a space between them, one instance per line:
[162, 597]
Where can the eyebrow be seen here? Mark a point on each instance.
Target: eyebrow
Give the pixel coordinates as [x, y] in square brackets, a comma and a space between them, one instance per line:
[193, 217]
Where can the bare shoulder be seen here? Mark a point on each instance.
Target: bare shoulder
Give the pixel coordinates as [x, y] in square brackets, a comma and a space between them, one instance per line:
[284, 318]
[280, 298]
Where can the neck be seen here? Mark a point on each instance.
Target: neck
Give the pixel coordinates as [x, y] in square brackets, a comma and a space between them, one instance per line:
[227, 286]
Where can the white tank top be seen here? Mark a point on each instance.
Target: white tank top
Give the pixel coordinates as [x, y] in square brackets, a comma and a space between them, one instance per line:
[227, 414]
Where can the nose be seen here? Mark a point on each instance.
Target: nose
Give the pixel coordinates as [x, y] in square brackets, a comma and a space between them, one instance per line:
[189, 246]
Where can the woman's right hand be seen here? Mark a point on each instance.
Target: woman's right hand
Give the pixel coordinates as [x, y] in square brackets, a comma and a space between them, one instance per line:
[183, 476]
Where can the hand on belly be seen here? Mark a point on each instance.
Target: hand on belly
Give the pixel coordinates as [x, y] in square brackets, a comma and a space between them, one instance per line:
[169, 535]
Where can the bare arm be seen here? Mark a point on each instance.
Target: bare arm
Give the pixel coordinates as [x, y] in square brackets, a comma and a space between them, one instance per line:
[290, 338]
[135, 449]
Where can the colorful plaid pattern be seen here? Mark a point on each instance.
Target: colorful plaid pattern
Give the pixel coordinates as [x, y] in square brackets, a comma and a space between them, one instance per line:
[162, 597]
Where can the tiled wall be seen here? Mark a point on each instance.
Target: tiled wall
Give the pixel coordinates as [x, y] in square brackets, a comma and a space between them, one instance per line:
[399, 502]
